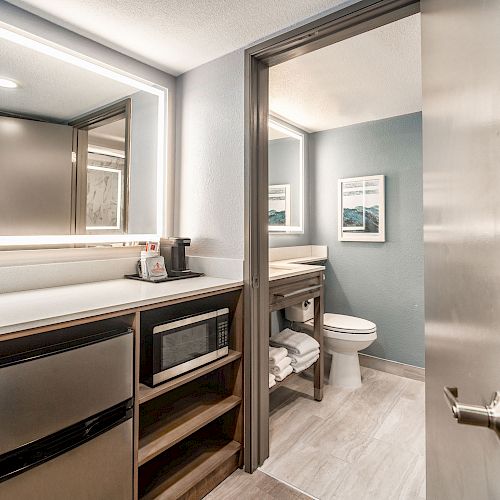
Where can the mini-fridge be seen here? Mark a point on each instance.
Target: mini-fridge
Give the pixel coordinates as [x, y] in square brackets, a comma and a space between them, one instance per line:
[66, 405]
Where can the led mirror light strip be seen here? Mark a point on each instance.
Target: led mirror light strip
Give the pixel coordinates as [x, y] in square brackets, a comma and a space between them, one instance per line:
[30, 41]
[74, 238]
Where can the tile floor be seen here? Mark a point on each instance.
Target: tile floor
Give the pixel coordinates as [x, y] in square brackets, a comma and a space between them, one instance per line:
[363, 444]
[258, 485]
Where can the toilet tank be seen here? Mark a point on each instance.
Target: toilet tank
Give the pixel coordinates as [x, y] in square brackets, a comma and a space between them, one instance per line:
[300, 313]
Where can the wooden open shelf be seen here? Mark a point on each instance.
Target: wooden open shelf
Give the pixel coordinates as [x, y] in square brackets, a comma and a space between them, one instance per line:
[188, 415]
[279, 384]
[189, 430]
[175, 478]
[147, 393]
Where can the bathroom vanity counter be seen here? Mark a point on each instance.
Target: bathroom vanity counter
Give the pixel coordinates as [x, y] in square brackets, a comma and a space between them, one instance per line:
[290, 284]
[304, 254]
[288, 269]
[39, 308]
[286, 262]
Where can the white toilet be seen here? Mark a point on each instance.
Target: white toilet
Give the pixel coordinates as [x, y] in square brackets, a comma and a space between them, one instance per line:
[344, 336]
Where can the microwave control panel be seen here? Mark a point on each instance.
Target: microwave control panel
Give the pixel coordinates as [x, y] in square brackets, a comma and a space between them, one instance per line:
[222, 328]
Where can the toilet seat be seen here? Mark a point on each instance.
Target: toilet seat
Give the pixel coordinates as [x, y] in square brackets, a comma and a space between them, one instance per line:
[345, 330]
[346, 327]
[352, 337]
[341, 322]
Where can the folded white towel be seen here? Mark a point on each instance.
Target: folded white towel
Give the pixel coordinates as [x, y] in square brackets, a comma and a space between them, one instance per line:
[276, 354]
[272, 380]
[283, 374]
[299, 360]
[294, 342]
[279, 367]
[300, 367]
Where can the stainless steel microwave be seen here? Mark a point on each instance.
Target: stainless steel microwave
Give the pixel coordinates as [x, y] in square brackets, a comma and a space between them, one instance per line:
[183, 344]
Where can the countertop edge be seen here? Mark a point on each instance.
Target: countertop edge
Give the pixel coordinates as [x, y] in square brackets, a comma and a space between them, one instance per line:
[85, 314]
[298, 272]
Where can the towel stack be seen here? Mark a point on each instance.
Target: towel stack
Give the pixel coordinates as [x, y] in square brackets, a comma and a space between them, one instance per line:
[302, 349]
[279, 364]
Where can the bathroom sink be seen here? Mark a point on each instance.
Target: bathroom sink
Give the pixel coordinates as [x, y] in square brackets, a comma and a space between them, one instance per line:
[287, 267]
[277, 269]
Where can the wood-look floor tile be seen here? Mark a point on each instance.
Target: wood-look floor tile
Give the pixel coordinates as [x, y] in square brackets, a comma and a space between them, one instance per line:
[309, 469]
[358, 444]
[299, 429]
[258, 485]
[383, 472]
[314, 446]
[405, 424]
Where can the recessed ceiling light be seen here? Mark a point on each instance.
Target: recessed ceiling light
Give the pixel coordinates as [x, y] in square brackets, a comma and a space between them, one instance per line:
[8, 84]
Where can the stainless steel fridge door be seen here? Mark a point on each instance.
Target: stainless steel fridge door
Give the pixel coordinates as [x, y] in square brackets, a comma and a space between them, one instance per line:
[100, 469]
[42, 396]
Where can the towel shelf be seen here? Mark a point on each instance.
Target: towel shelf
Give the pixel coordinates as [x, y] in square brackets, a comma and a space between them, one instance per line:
[289, 291]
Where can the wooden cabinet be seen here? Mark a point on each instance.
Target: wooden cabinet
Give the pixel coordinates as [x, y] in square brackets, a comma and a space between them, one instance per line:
[189, 430]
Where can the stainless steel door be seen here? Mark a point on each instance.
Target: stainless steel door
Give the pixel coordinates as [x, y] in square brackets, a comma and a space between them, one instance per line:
[100, 469]
[461, 137]
[36, 183]
[42, 396]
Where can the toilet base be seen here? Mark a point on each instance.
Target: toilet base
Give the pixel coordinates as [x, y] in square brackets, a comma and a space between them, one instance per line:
[345, 371]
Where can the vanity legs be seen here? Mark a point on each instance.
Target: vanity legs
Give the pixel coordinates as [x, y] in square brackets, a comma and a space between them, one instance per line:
[319, 368]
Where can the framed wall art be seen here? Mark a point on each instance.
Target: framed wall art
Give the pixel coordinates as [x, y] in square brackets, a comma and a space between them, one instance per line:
[361, 209]
[279, 205]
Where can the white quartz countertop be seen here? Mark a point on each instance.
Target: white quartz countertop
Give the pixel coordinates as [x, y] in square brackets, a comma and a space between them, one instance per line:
[286, 269]
[36, 308]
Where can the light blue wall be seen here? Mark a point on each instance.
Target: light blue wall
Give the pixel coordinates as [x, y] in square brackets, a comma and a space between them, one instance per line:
[382, 282]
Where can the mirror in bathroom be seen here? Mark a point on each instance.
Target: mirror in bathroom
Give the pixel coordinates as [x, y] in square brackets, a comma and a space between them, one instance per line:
[81, 149]
[286, 178]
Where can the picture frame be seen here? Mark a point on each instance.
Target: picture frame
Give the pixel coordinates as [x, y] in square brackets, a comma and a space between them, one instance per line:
[361, 209]
[279, 211]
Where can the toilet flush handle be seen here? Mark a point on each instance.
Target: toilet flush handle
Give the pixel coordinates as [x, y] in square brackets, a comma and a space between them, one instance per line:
[481, 416]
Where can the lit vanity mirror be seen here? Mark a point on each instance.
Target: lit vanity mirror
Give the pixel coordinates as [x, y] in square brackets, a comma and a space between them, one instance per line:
[286, 178]
[81, 149]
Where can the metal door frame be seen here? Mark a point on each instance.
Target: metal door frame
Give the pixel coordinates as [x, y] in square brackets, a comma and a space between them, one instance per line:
[358, 18]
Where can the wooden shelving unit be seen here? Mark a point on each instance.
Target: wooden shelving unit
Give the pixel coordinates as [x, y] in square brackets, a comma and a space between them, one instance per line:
[175, 479]
[279, 384]
[286, 292]
[189, 434]
[191, 414]
[147, 393]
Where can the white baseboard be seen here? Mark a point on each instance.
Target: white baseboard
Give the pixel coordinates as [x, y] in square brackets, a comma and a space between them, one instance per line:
[385, 365]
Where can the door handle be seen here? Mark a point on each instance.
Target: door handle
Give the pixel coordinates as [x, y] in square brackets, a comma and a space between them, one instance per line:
[480, 416]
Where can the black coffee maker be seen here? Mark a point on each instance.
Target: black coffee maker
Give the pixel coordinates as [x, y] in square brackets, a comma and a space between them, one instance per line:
[173, 251]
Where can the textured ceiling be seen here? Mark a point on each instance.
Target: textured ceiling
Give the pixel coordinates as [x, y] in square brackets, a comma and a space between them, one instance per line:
[50, 88]
[368, 77]
[176, 35]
